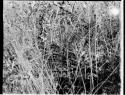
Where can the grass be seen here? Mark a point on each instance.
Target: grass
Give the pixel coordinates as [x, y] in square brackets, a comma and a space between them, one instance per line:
[93, 45]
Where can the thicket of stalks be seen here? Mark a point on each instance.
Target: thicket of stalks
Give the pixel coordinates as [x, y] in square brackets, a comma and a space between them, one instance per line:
[74, 50]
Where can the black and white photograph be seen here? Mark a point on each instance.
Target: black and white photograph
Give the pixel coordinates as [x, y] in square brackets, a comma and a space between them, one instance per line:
[63, 47]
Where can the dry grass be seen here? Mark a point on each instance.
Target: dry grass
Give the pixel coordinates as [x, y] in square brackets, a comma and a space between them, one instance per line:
[88, 34]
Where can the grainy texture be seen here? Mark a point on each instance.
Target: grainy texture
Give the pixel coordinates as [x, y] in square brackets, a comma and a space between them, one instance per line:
[62, 47]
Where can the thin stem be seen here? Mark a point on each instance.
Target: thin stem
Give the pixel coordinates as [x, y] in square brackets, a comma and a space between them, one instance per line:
[91, 78]
[107, 78]
[83, 81]
[95, 46]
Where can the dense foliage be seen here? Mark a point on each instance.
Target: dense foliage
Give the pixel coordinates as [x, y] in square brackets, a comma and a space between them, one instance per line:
[73, 50]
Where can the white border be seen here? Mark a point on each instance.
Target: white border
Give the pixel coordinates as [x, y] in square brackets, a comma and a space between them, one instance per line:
[122, 50]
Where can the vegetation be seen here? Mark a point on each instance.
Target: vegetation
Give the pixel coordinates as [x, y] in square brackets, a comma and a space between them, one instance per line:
[62, 48]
